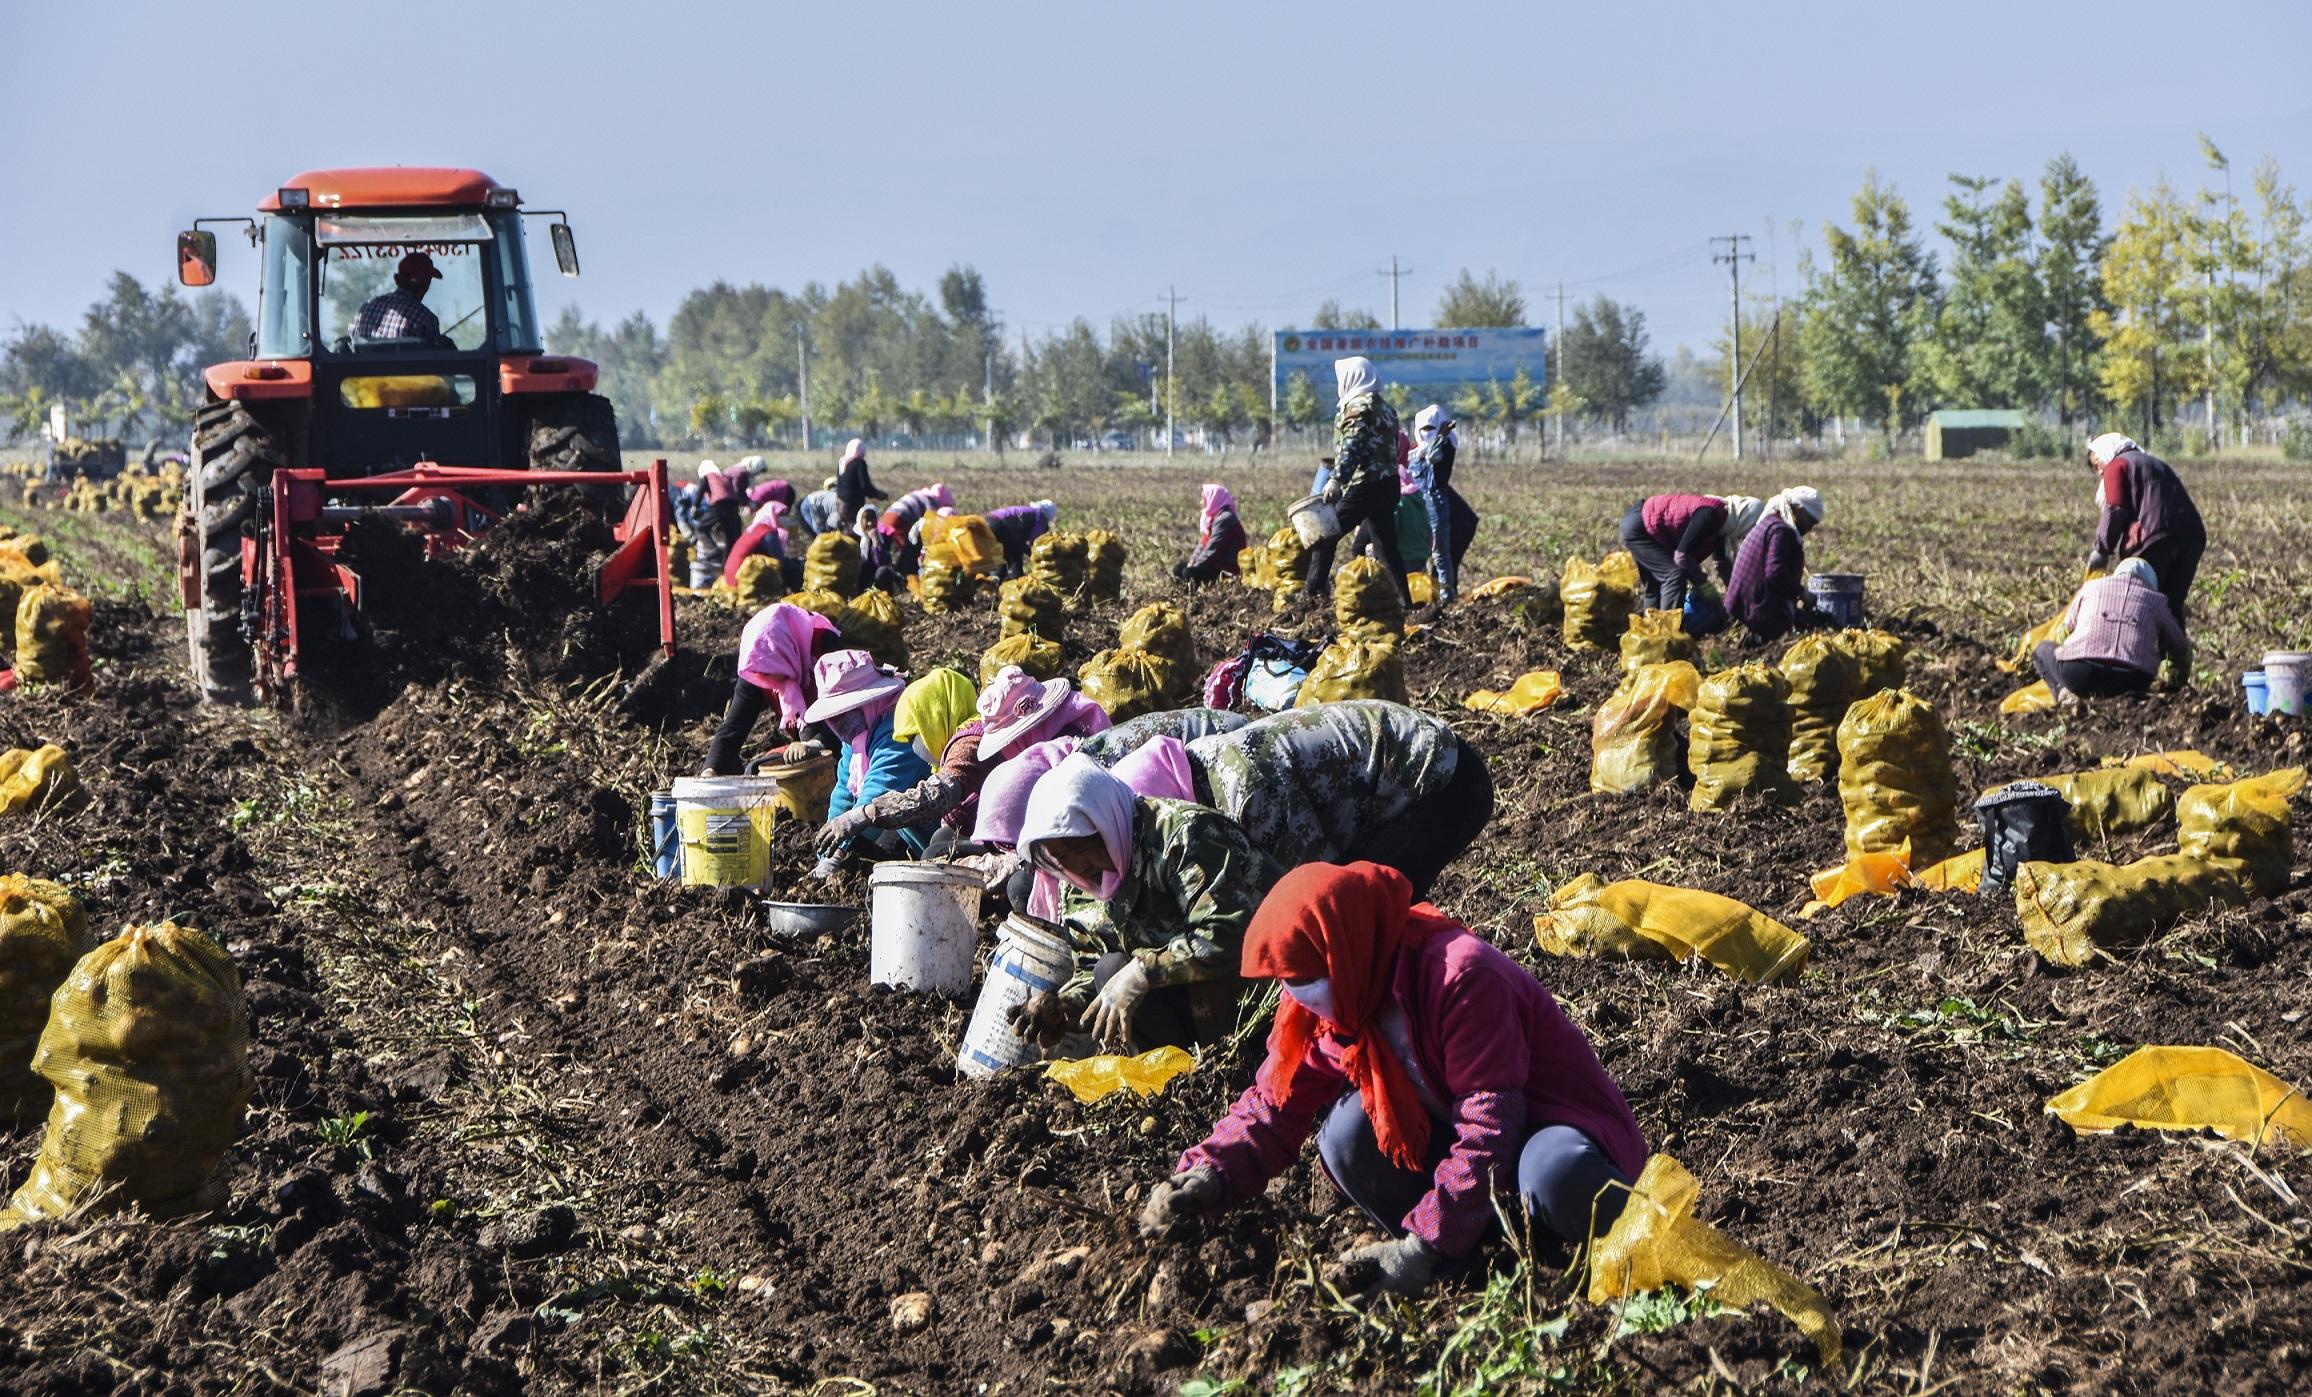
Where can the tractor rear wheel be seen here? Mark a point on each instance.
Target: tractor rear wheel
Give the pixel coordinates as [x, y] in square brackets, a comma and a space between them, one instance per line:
[233, 457]
[574, 432]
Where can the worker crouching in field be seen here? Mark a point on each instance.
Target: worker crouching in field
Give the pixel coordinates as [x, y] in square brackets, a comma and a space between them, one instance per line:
[1358, 779]
[1671, 537]
[1177, 884]
[1444, 1071]
[821, 511]
[858, 701]
[765, 536]
[1016, 528]
[715, 524]
[2147, 514]
[2113, 637]
[1220, 537]
[930, 714]
[1363, 483]
[1767, 592]
[778, 650]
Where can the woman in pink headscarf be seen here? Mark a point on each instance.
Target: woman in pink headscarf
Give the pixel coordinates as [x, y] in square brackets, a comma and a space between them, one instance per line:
[777, 652]
[1220, 537]
[766, 535]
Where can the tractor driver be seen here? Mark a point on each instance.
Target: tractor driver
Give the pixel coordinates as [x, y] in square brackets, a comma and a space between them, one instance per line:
[401, 314]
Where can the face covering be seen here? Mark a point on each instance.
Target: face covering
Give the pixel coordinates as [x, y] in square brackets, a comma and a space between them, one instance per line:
[1316, 996]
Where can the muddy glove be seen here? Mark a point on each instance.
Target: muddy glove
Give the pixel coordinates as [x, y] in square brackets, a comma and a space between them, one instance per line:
[1332, 492]
[1402, 1267]
[1178, 1199]
[795, 752]
[836, 833]
[1110, 1013]
[1040, 1017]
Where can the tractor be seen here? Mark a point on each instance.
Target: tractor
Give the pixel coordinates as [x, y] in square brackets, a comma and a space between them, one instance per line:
[396, 372]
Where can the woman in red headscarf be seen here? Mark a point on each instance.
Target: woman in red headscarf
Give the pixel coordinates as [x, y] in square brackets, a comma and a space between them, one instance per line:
[1445, 1072]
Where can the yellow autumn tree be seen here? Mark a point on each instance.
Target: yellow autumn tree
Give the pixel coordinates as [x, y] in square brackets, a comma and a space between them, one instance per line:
[2144, 364]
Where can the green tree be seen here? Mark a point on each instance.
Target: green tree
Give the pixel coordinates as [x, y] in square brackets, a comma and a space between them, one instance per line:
[1607, 363]
[1989, 346]
[1506, 407]
[1219, 413]
[2282, 332]
[1331, 316]
[1864, 315]
[709, 416]
[2141, 324]
[2071, 244]
[1775, 350]
[1300, 404]
[1470, 304]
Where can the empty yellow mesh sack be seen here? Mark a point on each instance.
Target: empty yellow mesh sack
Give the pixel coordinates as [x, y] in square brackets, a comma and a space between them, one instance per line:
[1895, 778]
[1128, 683]
[1060, 561]
[2034, 697]
[42, 933]
[2188, 1089]
[1637, 920]
[1534, 691]
[1105, 556]
[831, 564]
[1598, 599]
[1884, 875]
[1365, 600]
[2183, 764]
[1655, 638]
[1499, 587]
[1633, 744]
[1029, 607]
[52, 635]
[1657, 1241]
[1738, 738]
[2072, 913]
[2020, 660]
[1161, 629]
[1042, 659]
[39, 781]
[2244, 823]
[1097, 1078]
[147, 1048]
[1355, 667]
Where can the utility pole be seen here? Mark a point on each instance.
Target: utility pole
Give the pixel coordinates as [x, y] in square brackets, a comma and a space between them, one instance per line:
[1392, 274]
[1557, 419]
[987, 398]
[1171, 317]
[803, 376]
[1734, 257]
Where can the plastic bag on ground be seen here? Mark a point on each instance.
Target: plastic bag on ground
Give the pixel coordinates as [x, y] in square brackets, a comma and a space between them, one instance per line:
[2244, 824]
[1161, 629]
[1534, 691]
[1042, 659]
[1097, 1078]
[39, 782]
[1029, 607]
[2160, 1088]
[1739, 736]
[1059, 560]
[1885, 874]
[43, 933]
[1657, 1241]
[52, 636]
[1637, 920]
[1633, 743]
[2110, 801]
[1655, 638]
[2073, 913]
[2034, 697]
[1129, 683]
[831, 564]
[1598, 599]
[1895, 778]
[1365, 600]
[147, 1047]
[1105, 556]
[1355, 667]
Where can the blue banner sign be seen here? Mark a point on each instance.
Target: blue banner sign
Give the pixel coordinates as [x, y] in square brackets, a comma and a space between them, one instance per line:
[1438, 361]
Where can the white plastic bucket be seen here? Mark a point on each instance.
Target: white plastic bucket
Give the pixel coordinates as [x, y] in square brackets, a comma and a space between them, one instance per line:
[925, 919]
[1314, 520]
[2287, 675]
[725, 826]
[1027, 959]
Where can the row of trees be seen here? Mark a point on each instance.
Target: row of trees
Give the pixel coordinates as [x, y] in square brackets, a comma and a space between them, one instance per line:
[132, 369]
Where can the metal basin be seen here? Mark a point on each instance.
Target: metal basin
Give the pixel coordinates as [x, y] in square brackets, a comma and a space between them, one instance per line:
[809, 918]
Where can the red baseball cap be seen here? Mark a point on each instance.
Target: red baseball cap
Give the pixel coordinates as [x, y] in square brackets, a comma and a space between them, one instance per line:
[417, 265]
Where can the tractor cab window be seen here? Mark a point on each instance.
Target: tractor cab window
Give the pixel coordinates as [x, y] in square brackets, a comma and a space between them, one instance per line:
[402, 283]
[518, 325]
[284, 310]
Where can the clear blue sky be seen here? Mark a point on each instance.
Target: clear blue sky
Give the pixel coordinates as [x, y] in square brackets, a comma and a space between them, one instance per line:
[1083, 155]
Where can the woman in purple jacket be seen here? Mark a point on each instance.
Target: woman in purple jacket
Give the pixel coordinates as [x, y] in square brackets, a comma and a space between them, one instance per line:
[1767, 592]
[1443, 1071]
[1017, 527]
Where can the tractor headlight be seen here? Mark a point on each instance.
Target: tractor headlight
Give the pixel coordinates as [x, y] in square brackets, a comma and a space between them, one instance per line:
[295, 198]
[502, 198]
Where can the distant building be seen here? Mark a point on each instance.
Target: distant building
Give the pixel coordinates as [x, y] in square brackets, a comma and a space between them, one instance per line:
[1958, 432]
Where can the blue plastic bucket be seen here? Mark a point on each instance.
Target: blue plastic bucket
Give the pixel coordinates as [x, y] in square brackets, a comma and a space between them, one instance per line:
[665, 835]
[2259, 697]
[1838, 595]
[2287, 674]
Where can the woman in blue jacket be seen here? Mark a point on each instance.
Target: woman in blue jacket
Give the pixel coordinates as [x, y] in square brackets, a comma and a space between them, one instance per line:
[858, 702]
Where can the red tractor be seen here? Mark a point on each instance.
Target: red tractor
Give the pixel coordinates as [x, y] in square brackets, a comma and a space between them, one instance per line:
[396, 371]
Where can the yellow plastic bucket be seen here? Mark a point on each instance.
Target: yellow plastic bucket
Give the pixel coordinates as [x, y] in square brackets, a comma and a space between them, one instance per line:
[725, 826]
[803, 789]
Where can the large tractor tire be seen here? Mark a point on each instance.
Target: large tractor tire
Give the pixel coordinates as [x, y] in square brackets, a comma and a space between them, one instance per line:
[233, 457]
[574, 432]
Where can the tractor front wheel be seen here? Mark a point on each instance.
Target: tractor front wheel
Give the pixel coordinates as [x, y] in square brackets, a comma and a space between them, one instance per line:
[233, 457]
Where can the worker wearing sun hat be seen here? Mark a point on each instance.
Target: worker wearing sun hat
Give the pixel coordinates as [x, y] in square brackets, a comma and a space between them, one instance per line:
[1766, 591]
[2146, 513]
[936, 715]
[1015, 711]
[857, 702]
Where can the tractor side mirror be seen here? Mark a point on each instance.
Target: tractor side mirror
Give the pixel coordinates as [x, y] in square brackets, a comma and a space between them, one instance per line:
[197, 257]
[565, 249]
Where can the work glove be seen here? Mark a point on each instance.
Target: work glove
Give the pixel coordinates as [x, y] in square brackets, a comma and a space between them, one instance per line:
[1332, 492]
[2096, 560]
[836, 833]
[1109, 1016]
[1402, 1267]
[1041, 1017]
[1178, 1199]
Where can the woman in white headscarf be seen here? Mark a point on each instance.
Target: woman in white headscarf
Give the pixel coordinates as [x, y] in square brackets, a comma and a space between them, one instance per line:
[2147, 514]
[1363, 486]
[1766, 591]
[1425, 473]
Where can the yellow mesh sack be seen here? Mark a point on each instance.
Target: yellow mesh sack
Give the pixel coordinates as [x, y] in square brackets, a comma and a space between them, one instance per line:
[1097, 1078]
[2073, 913]
[1255, 569]
[1105, 556]
[1534, 691]
[1895, 778]
[1657, 1241]
[1060, 561]
[1824, 677]
[1881, 659]
[1633, 744]
[1128, 683]
[1365, 599]
[42, 932]
[1598, 599]
[1042, 659]
[2110, 801]
[831, 564]
[2034, 697]
[147, 1047]
[1422, 587]
[1160, 629]
[944, 588]
[2183, 764]
[1029, 607]
[2049, 629]
[1637, 920]
[1355, 667]
[2244, 824]
[1739, 737]
[1884, 875]
[1655, 638]
[2160, 1088]
[39, 782]
[1287, 557]
[52, 635]
[871, 622]
[759, 582]
[1499, 587]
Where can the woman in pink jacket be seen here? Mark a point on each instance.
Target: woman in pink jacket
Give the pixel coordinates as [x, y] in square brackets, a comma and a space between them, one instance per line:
[1443, 1071]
